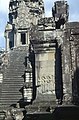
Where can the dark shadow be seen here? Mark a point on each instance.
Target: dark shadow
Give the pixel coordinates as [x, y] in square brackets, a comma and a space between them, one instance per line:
[23, 38]
[25, 63]
[23, 76]
[32, 60]
[66, 113]
[23, 102]
[11, 37]
[75, 87]
[59, 23]
[58, 75]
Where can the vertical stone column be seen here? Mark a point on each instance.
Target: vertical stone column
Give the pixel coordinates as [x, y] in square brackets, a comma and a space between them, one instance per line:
[27, 38]
[18, 39]
[45, 75]
[67, 80]
[7, 41]
[74, 72]
[15, 38]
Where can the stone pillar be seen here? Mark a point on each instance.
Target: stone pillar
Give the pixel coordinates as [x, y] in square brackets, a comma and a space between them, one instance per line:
[18, 39]
[15, 38]
[74, 72]
[8, 29]
[7, 41]
[27, 38]
[45, 75]
[67, 73]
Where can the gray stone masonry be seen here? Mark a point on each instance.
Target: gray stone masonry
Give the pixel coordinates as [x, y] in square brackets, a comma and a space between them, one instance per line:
[40, 68]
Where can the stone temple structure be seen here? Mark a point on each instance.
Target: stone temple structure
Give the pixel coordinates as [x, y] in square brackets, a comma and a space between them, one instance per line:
[39, 71]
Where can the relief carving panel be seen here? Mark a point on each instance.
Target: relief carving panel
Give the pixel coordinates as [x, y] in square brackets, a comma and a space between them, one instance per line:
[46, 83]
[45, 70]
[23, 13]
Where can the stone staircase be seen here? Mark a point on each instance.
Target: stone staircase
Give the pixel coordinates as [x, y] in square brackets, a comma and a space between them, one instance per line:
[1, 115]
[13, 78]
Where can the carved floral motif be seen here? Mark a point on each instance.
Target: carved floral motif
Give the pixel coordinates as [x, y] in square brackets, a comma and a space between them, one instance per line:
[46, 83]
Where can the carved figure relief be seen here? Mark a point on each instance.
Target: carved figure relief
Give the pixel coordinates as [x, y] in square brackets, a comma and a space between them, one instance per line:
[23, 20]
[47, 84]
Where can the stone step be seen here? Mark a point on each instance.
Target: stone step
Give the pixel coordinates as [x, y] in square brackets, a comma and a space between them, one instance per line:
[12, 88]
[16, 72]
[8, 86]
[11, 97]
[10, 92]
[7, 103]
[10, 101]
[1, 115]
[16, 67]
[13, 77]
[14, 84]
[13, 80]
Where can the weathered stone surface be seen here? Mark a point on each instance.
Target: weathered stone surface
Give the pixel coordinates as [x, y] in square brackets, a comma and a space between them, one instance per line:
[40, 69]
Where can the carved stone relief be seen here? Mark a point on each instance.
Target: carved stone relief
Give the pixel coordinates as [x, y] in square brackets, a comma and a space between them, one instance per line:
[45, 63]
[46, 82]
[23, 20]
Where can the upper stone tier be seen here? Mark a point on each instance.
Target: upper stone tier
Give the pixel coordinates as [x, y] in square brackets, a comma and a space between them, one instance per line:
[60, 12]
[22, 15]
[24, 12]
[27, 14]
